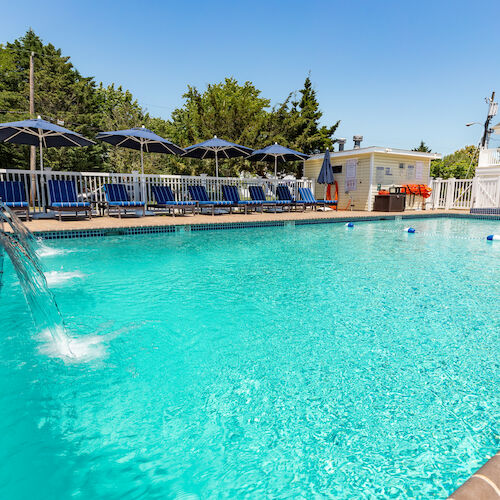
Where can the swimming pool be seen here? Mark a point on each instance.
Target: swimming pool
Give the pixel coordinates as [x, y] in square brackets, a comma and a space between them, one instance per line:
[268, 362]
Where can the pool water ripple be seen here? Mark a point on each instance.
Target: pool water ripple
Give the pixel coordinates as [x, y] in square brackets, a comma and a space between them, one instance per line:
[267, 362]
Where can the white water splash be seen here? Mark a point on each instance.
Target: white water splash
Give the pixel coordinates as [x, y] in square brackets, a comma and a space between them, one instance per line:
[45, 251]
[76, 349]
[59, 277]
[79, 349]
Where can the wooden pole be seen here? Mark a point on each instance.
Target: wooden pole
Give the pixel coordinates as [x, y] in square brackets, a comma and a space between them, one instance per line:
[32, 115]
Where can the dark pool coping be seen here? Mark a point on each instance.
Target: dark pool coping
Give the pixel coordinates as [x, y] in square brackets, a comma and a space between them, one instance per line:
[172, 228]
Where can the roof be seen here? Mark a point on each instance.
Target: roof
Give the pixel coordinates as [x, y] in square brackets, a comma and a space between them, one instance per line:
[496, 128]
[378, 149]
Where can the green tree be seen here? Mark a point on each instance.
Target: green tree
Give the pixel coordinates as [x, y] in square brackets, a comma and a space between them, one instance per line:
[423, 148]
[233, 111]
[461, 164]
[304, 129]
[61, 93]
[227, 109]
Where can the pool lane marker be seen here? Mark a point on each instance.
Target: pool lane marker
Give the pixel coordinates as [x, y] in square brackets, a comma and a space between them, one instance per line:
[409, 230]
[349, 224]
[493, 237]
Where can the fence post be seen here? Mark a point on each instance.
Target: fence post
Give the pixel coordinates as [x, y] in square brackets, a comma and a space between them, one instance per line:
[450, 193]
[135, 184]
[498, 193]
[473, 196]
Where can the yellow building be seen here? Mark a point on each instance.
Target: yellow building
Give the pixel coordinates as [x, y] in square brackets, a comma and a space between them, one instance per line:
[361, 172]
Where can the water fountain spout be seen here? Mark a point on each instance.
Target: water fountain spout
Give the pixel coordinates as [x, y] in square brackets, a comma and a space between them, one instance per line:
[20, 245]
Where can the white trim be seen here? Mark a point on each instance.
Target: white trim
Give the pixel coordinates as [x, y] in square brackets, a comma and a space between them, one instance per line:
[370, 194]
[378, 149]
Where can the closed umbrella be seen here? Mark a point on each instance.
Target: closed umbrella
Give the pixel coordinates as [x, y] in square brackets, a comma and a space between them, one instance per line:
[277, 153]
[216, 148]
[326, 174]
[38, 132]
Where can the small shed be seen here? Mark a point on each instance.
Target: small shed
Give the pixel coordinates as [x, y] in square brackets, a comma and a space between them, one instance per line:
[362, 172]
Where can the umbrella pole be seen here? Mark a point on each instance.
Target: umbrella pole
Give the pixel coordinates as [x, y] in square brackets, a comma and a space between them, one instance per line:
[41, 156]
[216, 165]
[42, 177]
[143, 191]
[275, 167]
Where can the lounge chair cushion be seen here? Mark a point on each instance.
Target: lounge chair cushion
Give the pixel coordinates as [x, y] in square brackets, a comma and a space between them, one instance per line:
[284, 194]
[257, 194]
[165, 196]
[13, 194]
[126, 203]
[222, 203]
[230, 193]
[199, 194]
[17, 204]
[67, 204]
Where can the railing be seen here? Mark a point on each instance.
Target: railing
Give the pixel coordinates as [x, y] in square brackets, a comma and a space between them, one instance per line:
[489, 157]
[480, 192]
[90, 184]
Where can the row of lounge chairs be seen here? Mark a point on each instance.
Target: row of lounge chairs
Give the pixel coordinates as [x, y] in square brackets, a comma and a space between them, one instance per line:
[63, 197]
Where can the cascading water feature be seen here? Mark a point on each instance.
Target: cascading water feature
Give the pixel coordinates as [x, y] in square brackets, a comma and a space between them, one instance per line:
[20, 246]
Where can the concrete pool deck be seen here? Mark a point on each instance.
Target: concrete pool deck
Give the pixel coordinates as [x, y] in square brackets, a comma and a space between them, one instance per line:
[97, 223]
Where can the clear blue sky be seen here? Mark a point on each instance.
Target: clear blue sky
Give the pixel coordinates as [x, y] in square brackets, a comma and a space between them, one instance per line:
[394, 71]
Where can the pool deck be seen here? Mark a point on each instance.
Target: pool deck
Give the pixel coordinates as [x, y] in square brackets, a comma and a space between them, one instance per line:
[73, 224]
[483, 485]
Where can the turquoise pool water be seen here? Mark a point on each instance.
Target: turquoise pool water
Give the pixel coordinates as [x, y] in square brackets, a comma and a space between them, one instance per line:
[313, 361]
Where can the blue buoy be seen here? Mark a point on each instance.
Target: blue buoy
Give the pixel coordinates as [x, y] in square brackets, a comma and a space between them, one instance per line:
[409, 229]
[349, 224]
[493, 237]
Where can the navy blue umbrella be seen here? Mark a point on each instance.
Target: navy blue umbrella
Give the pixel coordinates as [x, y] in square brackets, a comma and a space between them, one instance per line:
[326, 173]
[38, 132]
[276, 153]
[140, 139]
[213, 148]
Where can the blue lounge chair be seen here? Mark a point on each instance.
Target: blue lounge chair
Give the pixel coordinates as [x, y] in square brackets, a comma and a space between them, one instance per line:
[283, 193]
[13, 194]
[165, 198]
[257, 194]
[63, 198]
[230, 193]
[117, 197]
[199, 194]
[307, 196]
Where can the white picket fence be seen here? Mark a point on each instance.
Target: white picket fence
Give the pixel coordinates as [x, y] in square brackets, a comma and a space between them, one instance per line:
[90, 184]
[480, 192]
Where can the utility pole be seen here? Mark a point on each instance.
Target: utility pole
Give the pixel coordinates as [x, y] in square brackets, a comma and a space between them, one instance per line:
[32, 115]
[492, 111]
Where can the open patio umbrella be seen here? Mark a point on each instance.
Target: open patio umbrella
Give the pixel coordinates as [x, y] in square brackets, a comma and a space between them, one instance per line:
[140, 139]
[277, 153]
[326, 174]
[215, 148]
[38, 132]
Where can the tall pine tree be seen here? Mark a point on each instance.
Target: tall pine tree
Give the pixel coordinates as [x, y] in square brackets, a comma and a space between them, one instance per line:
[307, 135]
